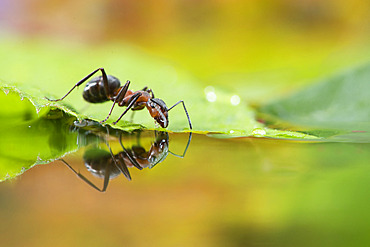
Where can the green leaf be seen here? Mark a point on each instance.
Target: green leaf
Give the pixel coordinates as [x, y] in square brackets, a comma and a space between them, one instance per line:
[338, 107]
[49, 69]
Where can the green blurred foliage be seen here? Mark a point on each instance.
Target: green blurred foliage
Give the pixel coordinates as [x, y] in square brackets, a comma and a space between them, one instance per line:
[340, 103]
[270, 46]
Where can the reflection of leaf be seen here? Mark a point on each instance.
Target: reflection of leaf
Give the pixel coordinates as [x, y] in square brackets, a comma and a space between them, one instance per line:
[39, 141]
[28, 138]
[340, 103]
[51, 70]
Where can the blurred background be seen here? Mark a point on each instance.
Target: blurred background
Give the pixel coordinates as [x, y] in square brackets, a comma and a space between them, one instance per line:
[225, 192]
[281, 44]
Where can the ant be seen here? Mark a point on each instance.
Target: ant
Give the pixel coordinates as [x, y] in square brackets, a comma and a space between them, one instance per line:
[105, 164]
[107, 87]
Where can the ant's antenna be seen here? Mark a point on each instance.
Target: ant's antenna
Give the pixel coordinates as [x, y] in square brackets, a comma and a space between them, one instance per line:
[187, 114]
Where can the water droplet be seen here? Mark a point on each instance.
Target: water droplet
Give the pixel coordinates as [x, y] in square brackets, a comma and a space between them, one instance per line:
[81, 123]
[6, 91]
[210, 94]
[259, 132]
[235, 100]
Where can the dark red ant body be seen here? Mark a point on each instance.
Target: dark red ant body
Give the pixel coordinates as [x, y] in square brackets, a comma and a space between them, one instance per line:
[106, 87]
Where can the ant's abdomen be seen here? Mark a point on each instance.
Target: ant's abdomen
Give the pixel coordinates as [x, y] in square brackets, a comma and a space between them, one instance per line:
[95, 92]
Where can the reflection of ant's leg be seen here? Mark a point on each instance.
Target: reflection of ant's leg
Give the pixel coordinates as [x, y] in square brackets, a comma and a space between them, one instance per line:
[123, 168]
[121, 163]
[138, 138]
[186, 148]
[132, 160]
[105, 80]
[106, 177]
[187, 114]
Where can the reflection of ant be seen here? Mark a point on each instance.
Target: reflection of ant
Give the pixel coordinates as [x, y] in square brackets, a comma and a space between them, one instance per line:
[105, 164]
[104, 88]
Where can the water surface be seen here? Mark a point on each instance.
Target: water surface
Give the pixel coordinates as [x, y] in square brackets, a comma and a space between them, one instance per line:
[224, 192]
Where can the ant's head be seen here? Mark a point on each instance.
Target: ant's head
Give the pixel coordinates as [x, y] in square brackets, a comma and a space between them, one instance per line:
[158, 110]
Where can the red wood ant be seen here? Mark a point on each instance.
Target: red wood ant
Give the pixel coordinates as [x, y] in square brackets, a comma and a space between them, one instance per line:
[107, 87]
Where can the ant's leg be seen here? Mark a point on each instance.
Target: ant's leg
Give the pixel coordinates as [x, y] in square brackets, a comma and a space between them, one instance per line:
[132, 116]
[186, 148]
[131, 103]
[86, 180]
[105, 80]
[187, 115]
[118, 98]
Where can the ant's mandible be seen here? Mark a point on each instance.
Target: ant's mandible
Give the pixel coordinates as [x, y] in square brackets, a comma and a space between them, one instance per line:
[106, 87]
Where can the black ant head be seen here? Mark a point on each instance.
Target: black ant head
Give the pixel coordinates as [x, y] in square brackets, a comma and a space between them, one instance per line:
[159, 111]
